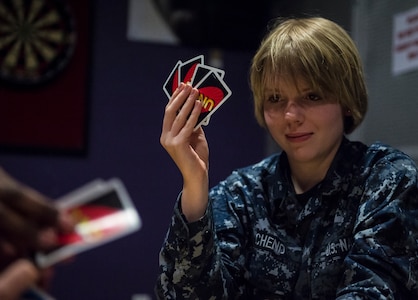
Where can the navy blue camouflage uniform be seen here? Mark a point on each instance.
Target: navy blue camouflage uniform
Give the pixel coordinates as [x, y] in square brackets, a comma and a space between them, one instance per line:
[353, 236]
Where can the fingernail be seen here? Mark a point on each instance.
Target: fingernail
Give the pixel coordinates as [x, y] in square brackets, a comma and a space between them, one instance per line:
[194, 92]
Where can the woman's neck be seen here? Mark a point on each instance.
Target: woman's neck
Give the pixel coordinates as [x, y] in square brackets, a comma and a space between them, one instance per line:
[303, 183]
[305, 176]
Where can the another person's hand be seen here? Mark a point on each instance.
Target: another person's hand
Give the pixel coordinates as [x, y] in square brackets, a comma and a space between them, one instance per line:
[188, 148]
[28, 223]
[17, 278]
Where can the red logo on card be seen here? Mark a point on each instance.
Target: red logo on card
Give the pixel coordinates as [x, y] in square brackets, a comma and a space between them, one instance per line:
[210, 97]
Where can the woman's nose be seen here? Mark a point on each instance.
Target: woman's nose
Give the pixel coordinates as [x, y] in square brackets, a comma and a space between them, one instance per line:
[293, 112]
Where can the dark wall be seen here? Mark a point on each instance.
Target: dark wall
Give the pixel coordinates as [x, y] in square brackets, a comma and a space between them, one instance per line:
[126, 104]
[338, 11]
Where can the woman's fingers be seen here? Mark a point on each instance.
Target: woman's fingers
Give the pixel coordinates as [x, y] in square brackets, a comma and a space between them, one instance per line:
[181, 111]
[186, 114]
[173, 105]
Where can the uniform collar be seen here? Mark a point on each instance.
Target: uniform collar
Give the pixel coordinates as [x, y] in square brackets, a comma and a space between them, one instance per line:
[282, 197]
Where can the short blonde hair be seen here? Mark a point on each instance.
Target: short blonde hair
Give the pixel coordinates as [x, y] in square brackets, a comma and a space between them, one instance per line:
[322, 53]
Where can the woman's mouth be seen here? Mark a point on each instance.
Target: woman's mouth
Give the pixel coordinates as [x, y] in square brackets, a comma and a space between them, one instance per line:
[299, 136]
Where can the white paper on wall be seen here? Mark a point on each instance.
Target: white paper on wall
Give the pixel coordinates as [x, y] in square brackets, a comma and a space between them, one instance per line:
[405, 42]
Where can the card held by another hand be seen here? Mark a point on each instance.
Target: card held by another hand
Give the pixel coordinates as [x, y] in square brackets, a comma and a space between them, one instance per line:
[213, 91]
[102, 211]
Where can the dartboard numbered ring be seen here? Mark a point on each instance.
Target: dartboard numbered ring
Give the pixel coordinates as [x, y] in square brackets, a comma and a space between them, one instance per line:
[37, 40]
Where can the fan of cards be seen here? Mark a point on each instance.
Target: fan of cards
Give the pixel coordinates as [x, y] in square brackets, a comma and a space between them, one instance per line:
[102, 211]
[213, 91]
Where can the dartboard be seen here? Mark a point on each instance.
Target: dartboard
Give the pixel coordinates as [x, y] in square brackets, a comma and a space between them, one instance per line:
[37, 40]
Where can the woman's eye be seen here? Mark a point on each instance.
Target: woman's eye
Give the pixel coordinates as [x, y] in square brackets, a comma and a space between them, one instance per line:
[273, 98]
[313, 97]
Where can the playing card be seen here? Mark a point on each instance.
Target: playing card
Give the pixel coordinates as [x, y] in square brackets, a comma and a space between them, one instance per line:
[205, 121]
[172, 82]
[202, 70]
[186, 69]
[209, 81]
[82, 192]
[213, 92]
[102, 210]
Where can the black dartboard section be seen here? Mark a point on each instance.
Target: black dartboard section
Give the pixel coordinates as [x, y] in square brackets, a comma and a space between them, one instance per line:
[37, 40]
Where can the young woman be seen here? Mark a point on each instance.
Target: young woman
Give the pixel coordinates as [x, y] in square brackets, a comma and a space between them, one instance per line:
[326, 218]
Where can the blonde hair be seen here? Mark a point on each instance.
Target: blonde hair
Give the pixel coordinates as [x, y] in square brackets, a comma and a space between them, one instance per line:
[318, 51]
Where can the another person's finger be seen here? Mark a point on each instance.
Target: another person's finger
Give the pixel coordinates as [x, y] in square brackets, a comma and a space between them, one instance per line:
[17, 278]
[17, 230]
[32, 205]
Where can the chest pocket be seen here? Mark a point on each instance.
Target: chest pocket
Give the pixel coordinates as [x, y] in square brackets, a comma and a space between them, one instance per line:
[330, 241]
[273, 263]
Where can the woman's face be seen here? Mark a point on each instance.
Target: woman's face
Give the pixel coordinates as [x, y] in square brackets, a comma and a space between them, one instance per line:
[307, 125]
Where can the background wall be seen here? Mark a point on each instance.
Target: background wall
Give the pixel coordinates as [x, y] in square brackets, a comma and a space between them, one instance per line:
[126, 105]
[393, 106]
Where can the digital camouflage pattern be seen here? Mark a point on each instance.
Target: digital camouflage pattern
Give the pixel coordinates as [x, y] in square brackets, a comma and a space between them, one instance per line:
[354, 236]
